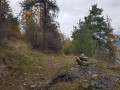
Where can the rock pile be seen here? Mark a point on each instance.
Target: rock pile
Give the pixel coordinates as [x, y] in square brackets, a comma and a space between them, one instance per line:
[82, 60]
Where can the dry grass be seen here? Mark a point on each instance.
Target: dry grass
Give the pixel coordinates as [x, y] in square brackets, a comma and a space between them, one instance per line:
[31, 66]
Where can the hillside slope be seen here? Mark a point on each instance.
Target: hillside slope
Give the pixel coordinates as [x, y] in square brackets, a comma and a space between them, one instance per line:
[23, 68]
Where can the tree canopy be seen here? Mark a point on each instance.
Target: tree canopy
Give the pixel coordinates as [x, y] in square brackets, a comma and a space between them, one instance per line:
[93, 33]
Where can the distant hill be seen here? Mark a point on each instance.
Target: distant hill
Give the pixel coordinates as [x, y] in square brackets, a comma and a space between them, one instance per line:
[117, 43]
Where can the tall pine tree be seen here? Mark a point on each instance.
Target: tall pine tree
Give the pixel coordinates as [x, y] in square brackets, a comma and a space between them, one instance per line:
[96, 24]
[95, 33]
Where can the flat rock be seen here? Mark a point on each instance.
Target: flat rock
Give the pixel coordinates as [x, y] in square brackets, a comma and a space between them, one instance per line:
[58, 64]
[33, 86]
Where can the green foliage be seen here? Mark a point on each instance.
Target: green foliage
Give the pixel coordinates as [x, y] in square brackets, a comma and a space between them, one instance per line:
[4, 11]
[89, 35]
[96, 24]
[25, 64]
[13, 26]
[83, 41]
[67, 49]
[94, 33]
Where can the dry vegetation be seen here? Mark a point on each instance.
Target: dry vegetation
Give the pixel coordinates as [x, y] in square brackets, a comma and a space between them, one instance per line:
[25, 66]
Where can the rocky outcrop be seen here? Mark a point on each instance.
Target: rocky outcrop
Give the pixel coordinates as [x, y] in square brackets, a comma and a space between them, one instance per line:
[115, 78]
[78, 72]
[104, 83]
[98, 80]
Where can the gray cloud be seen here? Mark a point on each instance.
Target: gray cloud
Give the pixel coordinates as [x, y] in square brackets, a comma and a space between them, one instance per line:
[73, 10]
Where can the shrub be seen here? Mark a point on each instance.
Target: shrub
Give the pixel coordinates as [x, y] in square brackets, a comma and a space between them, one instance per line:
[44, 39]
[67, 49]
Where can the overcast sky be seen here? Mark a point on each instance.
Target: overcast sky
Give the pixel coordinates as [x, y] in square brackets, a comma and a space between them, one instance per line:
[73, 10]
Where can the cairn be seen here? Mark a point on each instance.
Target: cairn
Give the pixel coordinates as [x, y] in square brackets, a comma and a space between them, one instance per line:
[82, 60]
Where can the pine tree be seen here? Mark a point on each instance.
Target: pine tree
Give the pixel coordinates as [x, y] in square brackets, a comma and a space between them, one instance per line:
[46, 30]
[96, 24]
[94, 34]
[82, 40]
[48, 10]
[13, 26]
[4, 11]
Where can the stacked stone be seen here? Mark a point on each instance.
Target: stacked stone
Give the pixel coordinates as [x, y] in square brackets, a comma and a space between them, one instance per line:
[82, 60]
